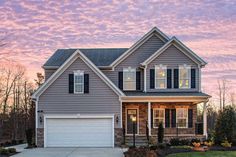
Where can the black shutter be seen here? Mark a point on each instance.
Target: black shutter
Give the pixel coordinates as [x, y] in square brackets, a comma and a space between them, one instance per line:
[71, 83]
[173, 118]
[167, 118]
[152, 78]
[138, 80]
[193, 78]
[151, 118]
[190, 118]
[86, 83]
[169, 83]
[120, 79]
[176, 78]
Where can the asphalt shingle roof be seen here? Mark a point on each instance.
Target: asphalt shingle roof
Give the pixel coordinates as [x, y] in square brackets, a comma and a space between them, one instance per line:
[100, 56]
[134, 93]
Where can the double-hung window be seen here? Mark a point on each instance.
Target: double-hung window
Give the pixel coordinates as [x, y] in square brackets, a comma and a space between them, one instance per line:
[129, 79]
[78, 81]
[182, 117]
[161, 77]
[158, 117]
[184, 76]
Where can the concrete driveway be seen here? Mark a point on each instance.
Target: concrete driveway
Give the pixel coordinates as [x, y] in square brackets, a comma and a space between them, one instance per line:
[71, 152]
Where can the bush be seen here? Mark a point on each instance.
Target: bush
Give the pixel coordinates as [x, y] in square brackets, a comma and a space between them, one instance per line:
[12, 150]
[13, 142]
[160, 133]
[29, 136]
[225, 125]
[174, 142]
[162, 145]
[184, 142]
[226, 144]
[4, 151]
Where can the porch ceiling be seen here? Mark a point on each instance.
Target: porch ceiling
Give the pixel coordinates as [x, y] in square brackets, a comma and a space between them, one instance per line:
[194, 97]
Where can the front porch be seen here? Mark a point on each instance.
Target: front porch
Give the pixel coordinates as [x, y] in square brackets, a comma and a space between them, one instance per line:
[179, 120]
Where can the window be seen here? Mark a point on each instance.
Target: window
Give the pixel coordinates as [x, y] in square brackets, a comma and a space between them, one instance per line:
[160, 77]
[184, 76]
[158, 117]
[182, 117]
[129, 79]
[78, 81]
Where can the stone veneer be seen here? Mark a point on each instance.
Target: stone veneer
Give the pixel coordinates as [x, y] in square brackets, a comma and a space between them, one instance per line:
[40, 137]
[118, 137]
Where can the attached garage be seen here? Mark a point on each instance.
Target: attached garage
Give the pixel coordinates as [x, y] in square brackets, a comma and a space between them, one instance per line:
[79, 132]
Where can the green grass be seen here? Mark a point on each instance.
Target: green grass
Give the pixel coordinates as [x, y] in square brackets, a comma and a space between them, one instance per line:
[206, 154]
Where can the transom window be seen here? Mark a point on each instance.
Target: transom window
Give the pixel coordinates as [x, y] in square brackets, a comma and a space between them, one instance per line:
[160, 78]
[129, 79]
[158, 117]
[78, 81]
[182, 117]
[184, 76]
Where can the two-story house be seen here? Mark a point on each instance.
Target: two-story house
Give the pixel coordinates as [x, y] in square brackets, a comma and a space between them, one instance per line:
[99, 97]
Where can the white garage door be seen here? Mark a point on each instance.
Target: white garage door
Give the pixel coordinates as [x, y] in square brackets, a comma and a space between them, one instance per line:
[86, 132]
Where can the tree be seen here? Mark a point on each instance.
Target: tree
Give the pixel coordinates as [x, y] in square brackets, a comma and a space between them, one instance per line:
[225, 125]
[40, 79]
[160, 133]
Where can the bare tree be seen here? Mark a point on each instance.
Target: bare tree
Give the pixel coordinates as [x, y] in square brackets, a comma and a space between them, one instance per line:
[40, 79]
[223, 90]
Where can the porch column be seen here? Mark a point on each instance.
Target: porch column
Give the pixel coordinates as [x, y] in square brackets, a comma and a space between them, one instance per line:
[205, 119]
[149, 118]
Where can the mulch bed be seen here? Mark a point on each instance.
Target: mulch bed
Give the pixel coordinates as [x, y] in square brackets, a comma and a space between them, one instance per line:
[220, 148]
[8, 154]
[167, 151]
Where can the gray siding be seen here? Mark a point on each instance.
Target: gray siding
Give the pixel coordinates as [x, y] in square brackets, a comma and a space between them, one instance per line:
[100, 99]
[137, 57]
[48, 73]
[172, 58]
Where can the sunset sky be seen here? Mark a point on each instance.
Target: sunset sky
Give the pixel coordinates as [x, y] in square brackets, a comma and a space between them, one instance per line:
[34, 29]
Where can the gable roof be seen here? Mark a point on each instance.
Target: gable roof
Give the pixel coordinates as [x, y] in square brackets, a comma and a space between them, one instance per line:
[66, 64]
[153, 31]
[99, 56]
[178, 44]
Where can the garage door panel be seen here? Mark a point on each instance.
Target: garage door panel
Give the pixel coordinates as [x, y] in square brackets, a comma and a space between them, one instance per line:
[79, 132]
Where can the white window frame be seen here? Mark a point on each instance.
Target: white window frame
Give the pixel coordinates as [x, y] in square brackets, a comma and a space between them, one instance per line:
[177, 110]
[127, 70]
[160, 67]
[79, 73]
[153, 117]
[188, 67]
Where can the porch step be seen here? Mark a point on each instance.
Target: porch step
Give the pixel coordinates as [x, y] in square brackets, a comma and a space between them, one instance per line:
[139, 140]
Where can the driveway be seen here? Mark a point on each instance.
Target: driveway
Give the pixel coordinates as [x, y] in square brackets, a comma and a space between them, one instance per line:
[71, 152]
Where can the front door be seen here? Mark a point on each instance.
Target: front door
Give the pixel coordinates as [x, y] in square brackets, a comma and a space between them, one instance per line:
[132, 113]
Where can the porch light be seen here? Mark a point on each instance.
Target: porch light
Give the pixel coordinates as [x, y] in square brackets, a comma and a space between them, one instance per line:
[117, 119]
[40, 119]
[134, 119]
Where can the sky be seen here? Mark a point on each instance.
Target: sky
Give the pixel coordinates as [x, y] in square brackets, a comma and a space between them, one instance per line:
[34, 29]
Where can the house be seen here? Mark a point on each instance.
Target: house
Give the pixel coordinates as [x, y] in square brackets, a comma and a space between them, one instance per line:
[91, 96]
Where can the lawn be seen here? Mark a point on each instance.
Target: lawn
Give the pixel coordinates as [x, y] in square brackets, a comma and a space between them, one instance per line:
[205, 154]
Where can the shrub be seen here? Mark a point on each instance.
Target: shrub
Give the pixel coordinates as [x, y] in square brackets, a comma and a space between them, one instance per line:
[29, 136]
[13, 142]
[12, 150]
[226, 144]
[184, 142]
[196, 144]
[153, 147]
[160, 133]
[162, 146]
[225, 125]
[174, 142]
[195, 140]
[4, 151]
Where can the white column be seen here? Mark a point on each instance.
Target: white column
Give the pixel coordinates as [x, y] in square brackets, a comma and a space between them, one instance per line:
[205, 119]
[149, 118]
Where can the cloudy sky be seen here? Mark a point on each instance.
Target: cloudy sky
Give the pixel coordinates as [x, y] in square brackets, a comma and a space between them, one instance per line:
[34, 29]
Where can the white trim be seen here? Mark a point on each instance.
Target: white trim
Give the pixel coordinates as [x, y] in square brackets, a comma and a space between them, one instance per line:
[145, 79]
[188, 67]
[153, 110]
[200, 79]
[162, 67]
[66, 64]
[149, 119]
[121, 114]
[137, 108]
[135, 46]
[205, 119]
[36, 120]
[174, 41]
[78, 116]
[182, 118]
